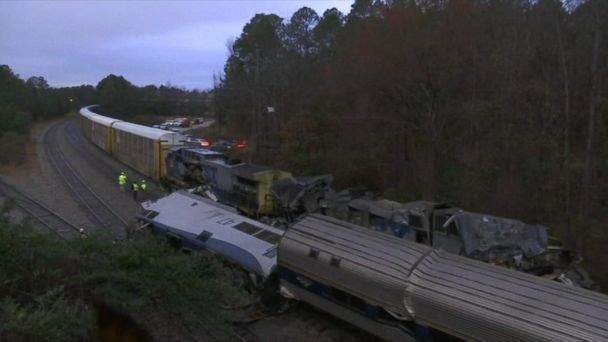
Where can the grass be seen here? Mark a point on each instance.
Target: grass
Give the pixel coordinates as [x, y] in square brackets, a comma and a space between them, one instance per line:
[46, 284]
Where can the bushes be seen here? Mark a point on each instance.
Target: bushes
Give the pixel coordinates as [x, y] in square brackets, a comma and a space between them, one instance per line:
[13, 120]
[46, 284]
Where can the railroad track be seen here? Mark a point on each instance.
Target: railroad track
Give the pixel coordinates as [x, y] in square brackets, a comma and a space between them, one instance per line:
[98, 209]
[92, 154]
[77, 142]
[47, 217]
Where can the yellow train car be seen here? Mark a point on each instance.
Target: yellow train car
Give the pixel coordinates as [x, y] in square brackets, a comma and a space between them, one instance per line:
[143, 148]
[244, 186]
[86, 122]
[140, 147]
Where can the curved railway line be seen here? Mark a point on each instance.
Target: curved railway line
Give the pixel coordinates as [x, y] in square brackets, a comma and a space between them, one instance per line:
[99, 211]
[47, 217]
[76, 141]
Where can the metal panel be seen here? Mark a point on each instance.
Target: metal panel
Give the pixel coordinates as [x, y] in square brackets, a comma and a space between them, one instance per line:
[189, 215]
[489, 302]
[166, 137]
[457, 295]
[372, 267]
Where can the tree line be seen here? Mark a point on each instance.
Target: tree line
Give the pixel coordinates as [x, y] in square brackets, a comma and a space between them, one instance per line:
[23, 102]
[118, 97]
[494, 106]
[26, 101]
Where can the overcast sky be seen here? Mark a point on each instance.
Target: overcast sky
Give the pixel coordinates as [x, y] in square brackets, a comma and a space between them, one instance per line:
[148, 42]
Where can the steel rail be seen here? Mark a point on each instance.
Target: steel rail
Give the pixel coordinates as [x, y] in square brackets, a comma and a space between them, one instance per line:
[47, 217]
[76, 140]
[95, 205]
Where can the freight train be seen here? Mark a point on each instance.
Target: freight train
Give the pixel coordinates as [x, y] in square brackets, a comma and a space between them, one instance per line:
[395, 289]
[140, 147]
[259, 191]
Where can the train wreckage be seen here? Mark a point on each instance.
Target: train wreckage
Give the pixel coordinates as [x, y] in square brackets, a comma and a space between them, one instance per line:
[276, 198]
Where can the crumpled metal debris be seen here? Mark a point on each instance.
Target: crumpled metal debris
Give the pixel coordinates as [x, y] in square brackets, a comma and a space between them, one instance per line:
[484, 236]
[302, 194]
[514, 244]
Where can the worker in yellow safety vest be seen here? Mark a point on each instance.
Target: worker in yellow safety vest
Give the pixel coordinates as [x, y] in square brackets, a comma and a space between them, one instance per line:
[135, 188]
[143, 186]
[122, 181]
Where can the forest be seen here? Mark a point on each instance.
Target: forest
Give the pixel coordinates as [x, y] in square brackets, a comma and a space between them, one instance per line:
[23, 102]
[497, 107]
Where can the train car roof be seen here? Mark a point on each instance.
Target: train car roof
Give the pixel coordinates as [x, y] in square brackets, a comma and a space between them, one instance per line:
[150, 132]
[251, 169]
[198, 150]
[86, 111]
[346, 256]
[247, 242]
[482, 301]
[383, 208]
[104, 120]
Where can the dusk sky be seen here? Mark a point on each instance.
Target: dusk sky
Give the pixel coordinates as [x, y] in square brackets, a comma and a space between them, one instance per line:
[148, 42]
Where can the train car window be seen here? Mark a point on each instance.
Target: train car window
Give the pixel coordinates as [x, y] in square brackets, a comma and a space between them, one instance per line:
[335, 261]
[268, 236]
[204, 236]
[247, 228]
[348, 299]
[271, 253]
[313, 253]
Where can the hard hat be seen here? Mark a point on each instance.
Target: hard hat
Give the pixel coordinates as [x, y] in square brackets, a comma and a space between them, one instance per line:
[122, 173]
[143, 180]
[81, 230]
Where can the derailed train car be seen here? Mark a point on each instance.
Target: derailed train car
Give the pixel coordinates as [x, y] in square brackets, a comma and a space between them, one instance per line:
[500, 241]
[190, 222]
[401, 290]
[142, 148]
[395, 289]
[246, 187]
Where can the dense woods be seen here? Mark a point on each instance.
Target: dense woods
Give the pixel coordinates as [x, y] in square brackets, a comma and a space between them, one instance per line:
[493, 106]
[120, 98]
[23, 102]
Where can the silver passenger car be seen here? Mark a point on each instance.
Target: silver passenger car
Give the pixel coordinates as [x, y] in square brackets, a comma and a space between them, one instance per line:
[398, 289]
[192, 222]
